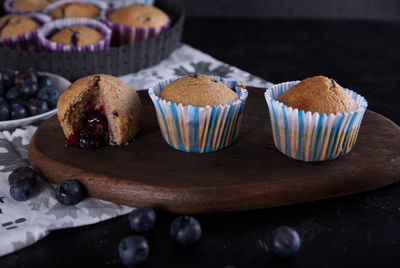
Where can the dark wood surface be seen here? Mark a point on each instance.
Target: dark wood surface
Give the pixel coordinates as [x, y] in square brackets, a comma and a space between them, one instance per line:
[251, 174]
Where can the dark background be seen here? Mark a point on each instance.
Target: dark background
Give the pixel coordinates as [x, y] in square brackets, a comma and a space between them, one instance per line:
[357, 42]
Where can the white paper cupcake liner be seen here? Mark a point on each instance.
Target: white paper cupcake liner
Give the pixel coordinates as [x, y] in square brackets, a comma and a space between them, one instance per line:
[99, 4]
[127, 35]
[199, 129]
[310, 136]
[26, 41]
[49, 28]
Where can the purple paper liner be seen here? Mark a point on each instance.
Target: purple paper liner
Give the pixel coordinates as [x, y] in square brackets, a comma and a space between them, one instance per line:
[116, 61]
[52, 26]
[10, 9]
[99, 4]
[126, 35]
[26, 41]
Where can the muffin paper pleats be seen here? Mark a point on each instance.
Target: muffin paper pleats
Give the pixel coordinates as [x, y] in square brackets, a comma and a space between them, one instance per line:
[55, 25]
[310, 136]
[199, 129]
[26, 41]
[99, 4]
[126, 35]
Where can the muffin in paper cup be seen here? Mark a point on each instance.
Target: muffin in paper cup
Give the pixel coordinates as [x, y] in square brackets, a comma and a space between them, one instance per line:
[308, 136]
[8, 7]
[127, 35]
[123, 3]
[99, 4]
[29, 40]
[49, 28]
[199, 129]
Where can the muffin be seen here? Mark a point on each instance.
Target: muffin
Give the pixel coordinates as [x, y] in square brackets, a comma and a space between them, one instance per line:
[75, 10]
[19, 31]
[14, 25]
[97, 110]
[74, 34]
[319, 94]
[135, 23]
[199, 113]
[26, 6]
[77, 36]
[315, 119]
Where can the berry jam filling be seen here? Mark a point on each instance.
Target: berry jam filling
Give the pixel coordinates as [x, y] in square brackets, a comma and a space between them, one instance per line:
[93, 134]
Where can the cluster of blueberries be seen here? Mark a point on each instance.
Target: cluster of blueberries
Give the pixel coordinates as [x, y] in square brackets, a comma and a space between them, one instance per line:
[133, 250]
[25, 93]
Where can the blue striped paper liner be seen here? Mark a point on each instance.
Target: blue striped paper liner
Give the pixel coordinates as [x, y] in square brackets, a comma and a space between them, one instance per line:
[308, 136]
[27, 41]
[99, 4]
[199, 129]
[49, 27]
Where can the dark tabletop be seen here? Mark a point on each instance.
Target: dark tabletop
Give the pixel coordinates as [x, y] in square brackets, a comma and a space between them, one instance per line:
[355, 231]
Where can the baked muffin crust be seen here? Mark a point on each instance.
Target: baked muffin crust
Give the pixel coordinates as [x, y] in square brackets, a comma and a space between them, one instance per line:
[75, 10]
[14, 25]
[77, 36]
[318, 94]
[31, 5]
[198, 90]
[141, 16]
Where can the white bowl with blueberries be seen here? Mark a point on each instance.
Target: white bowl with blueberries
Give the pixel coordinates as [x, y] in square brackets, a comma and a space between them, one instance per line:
[27, 97]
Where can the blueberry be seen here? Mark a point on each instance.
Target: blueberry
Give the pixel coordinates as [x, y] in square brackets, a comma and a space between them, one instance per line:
[2, 101]
[49, 94]
[142, 219]
[4, 112]
[285, 242]
[8, 77]
[20, 100]
[12, 93]
[36, 106]
[28, 88]
[17, 111]
[23, 176]
[22, 77]
[133, 250]
[69, 192]
[44, 80]
[20, 193]
[185, 230]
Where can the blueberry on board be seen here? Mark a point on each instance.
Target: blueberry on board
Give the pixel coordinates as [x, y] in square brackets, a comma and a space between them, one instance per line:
[142, 219]
[285, 242]
[44, 80]
[12, 93]
[185, 230]
[133, 250]
[22, 77]
[23, 176]
[17, 111]
[20, 193]
[36, 106]
[69, 192]
[49, 94]
[28, 88]
[8, 76]
[4, 112]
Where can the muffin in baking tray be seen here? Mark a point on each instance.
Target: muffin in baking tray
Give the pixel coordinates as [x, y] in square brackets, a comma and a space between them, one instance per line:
[25, 6]
[199, 113]
[136, 23]
[74, 10]
[315, 119]
[14, 25]
[77, 36]
[98, 110]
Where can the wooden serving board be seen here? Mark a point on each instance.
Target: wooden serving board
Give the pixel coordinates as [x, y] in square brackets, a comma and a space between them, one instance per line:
[250, 174]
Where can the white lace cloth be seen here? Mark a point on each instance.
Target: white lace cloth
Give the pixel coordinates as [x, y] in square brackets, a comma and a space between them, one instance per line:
[24, 223]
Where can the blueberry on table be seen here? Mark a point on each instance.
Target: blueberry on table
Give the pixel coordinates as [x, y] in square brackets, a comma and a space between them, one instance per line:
[17, 111]
[23, 176]
[142, 219]
[69, 192]
[49, 94]
[28, 88]
[44, 80]
[185, 230]
[20, 193]
[285, 242]
[8, 77]
[13, 93]
[4, 112]
[133, 250]
[36, 106]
